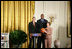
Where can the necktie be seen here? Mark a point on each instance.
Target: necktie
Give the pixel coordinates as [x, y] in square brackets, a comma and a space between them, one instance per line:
[42, 20]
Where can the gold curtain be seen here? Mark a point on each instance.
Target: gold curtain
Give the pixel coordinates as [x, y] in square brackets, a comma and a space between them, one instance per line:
[16, 15]
[68, 18]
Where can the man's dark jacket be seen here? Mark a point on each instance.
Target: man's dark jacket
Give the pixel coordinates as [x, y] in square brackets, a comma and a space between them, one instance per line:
[31, 28]
[41, 25]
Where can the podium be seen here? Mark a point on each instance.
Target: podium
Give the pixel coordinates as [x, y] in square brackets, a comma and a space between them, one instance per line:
[35, 35]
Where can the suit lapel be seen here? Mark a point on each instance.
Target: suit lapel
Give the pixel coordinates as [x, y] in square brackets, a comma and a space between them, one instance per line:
[33, 24]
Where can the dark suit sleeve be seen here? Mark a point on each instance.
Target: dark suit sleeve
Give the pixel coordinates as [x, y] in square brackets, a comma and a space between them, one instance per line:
[29, 26]
[38, 26]
[46, 21]
[45, 24]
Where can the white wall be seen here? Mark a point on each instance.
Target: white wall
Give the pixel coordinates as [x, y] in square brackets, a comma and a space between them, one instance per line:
[38, 9]
[59, 10]
[62, 28]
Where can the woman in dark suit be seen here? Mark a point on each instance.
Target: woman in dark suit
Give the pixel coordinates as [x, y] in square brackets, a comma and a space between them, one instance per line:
[32, 29]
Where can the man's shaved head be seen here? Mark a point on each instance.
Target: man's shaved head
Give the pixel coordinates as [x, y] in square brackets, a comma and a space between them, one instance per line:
[42, 16]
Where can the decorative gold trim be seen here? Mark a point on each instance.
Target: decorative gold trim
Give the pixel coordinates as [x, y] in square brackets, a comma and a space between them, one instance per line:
[68, 19]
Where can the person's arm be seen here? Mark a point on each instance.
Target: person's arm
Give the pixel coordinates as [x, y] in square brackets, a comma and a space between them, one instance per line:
[38, 26]
[46, 21]
[50, 31]
[45, 32]
[29, 28]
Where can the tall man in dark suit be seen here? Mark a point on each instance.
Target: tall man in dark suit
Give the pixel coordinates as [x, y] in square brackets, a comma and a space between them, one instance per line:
[41, 23]
[32, 29]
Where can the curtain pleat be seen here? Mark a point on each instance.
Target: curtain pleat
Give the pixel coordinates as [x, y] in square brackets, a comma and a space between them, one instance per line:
[16, 15]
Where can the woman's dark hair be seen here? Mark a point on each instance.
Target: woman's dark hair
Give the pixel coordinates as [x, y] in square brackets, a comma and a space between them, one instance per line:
[49, 23]
[33, 17]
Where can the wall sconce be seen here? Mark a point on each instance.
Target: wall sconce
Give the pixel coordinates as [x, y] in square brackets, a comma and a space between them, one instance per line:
[52, 17]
